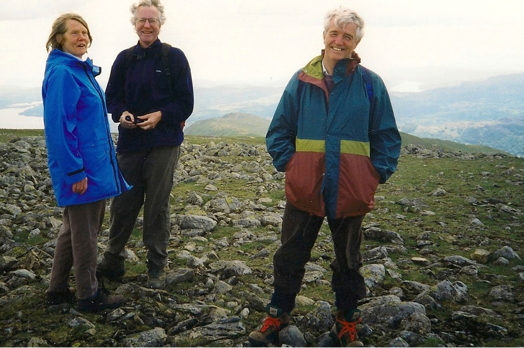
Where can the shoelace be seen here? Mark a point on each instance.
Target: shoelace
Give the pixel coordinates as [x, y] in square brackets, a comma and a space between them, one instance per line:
[270, 322]
[348, 327]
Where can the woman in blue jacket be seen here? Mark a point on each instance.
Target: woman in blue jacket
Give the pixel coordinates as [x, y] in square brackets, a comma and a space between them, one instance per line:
[82, 162]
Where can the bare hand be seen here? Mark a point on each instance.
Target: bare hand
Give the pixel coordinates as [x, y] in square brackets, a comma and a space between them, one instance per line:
[80, 187]
[150, 120]
[127, 120]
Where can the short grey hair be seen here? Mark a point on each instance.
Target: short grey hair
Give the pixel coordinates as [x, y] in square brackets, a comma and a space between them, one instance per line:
[148, 3]
[342, 16]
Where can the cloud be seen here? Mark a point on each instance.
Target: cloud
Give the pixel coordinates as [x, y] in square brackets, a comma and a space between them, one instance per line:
[37, 9]
[235, 41]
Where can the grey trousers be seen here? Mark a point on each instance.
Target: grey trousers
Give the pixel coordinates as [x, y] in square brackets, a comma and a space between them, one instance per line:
[151, 174]
[299, 233]
[76, 247]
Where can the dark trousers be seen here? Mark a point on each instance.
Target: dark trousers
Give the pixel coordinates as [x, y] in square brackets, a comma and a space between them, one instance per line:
[151, 174]
[76, 247]
[299, 233]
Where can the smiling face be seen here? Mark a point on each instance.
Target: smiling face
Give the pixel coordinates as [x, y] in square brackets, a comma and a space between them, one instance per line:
[76, 38]
[146, 31]
[339, 43]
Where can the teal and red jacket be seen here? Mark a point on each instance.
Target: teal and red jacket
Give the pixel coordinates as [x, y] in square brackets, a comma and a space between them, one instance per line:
[335, 146]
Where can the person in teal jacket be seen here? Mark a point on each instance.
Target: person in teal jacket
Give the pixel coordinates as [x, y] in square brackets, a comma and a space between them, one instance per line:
[334, 135]
[82, 162]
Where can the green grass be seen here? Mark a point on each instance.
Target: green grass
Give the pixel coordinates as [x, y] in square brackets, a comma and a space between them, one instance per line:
[447, 145]
[6, 135]
[446, 220]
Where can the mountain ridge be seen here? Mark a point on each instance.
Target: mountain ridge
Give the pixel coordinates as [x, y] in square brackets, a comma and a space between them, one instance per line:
[488, 112]
[243, 124]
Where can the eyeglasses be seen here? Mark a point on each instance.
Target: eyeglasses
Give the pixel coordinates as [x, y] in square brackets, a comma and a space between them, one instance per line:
[152, 21]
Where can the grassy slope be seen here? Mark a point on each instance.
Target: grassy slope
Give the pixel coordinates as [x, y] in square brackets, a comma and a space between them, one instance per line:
[446, 220]
[8, 134]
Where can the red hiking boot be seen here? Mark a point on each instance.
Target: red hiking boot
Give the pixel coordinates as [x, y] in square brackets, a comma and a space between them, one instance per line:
[276, 320]
[344, 331]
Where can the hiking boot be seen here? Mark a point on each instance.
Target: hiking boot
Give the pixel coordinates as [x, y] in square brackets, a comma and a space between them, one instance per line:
[101, 301]
[276, 320]
[344, 331]
[111, 273]
[54, 298]
[156, 279]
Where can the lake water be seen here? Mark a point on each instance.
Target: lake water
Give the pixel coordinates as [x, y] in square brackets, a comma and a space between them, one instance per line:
[10, 118]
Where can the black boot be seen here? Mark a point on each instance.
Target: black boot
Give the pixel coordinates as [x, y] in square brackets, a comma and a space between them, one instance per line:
[54, 298]
[101, 301]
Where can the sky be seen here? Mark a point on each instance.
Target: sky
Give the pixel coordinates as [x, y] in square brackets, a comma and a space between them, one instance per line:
[413, 45]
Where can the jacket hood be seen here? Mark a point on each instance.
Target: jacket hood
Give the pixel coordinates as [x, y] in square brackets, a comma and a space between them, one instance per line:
[59, 57]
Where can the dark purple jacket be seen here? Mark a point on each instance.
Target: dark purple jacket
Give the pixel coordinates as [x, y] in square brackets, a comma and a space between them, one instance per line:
[142, 87]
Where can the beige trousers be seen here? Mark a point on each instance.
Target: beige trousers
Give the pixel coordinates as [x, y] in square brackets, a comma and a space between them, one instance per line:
[76, 247]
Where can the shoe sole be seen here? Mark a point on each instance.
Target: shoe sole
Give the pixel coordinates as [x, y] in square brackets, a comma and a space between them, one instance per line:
[255, 343]
[109, 275]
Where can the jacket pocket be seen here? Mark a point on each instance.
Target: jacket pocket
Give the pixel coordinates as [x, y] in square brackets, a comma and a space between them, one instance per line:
[304, 176]
[358, 183]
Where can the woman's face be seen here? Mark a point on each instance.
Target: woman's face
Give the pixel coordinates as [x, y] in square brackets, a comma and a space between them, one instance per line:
[76, 38]
[147, 25]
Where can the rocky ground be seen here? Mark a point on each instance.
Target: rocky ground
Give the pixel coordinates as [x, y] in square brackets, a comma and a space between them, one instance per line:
[443, 256]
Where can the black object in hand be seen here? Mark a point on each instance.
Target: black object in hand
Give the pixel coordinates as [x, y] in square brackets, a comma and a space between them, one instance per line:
[137, 120]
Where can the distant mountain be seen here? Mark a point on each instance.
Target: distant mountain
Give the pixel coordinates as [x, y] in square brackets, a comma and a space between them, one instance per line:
[488, 112]
[10, 96]
[447, 145]
[232, 124]
[214, 102]
[210, 102]
[240, 124]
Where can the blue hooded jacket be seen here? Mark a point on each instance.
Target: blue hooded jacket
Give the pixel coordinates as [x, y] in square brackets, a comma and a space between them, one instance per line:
[78, 139]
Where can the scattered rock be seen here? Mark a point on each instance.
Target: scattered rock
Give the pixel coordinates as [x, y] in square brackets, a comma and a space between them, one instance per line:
[218, 284]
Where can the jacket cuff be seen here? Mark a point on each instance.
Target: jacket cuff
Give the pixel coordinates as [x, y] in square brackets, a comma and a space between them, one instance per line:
[76, 176]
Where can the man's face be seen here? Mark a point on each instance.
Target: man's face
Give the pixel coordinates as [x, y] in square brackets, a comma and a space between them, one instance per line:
[340, 42]
[147, 31]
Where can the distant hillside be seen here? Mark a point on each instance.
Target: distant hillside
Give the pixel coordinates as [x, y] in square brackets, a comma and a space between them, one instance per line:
[232, 124]
[447, 145]
[10, 96]
[489, 112]
[239, 124]
[214, 102]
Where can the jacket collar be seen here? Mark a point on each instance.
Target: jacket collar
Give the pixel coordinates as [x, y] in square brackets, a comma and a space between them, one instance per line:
[140, 52]
[343, 67]
[57, 57]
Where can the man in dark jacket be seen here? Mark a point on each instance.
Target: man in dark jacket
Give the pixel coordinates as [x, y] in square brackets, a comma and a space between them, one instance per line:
[334, 134]
[151, 102]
